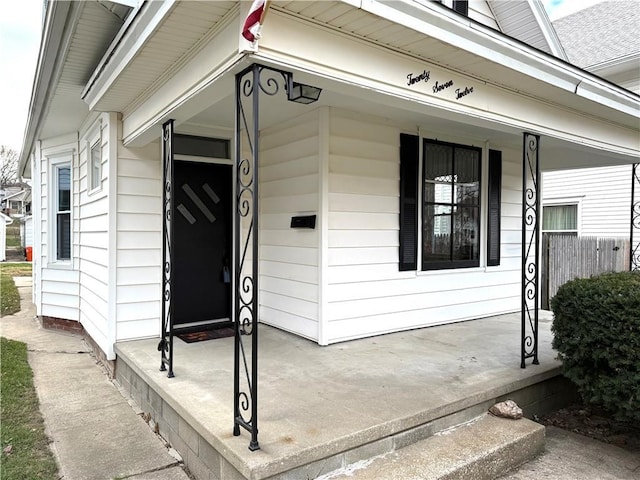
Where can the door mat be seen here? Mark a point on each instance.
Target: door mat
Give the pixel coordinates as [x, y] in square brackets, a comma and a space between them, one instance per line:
[193, 337]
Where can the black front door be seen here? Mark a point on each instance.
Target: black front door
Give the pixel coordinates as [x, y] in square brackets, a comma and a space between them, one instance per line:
[201, 261]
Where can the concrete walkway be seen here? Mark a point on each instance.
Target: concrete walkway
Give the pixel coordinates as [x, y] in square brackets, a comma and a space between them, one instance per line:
[569, 456]
[94, 431]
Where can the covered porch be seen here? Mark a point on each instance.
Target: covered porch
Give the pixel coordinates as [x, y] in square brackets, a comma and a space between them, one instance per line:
[322, 408]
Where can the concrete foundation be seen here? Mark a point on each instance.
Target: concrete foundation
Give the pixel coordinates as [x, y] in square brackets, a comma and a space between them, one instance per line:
[322, 408]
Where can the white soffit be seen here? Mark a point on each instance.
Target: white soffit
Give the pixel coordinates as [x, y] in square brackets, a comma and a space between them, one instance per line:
[155, 44]
[76, 34]
[96, 27]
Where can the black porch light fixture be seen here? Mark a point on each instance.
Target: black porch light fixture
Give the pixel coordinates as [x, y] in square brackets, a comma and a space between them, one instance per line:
[301, 93]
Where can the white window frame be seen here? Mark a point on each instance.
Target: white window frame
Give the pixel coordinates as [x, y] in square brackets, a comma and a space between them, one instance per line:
[55, 164]
[563, 202]
[94, 164]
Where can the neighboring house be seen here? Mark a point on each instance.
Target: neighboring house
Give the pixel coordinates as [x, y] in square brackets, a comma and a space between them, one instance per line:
[15, 200]
[602, 39]
[18, 204]
[392, 201]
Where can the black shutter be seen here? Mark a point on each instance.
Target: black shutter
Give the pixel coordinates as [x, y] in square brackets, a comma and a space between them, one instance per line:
[408, 202]
[495, 187]
[461, 6]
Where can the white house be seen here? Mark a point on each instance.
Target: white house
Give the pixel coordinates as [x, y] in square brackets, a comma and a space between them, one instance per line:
[184, 176]
[598, 201]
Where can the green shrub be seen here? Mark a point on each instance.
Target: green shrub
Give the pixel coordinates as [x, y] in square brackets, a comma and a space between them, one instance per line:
[596, 330]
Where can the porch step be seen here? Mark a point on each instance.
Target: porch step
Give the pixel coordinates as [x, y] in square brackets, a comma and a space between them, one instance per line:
[482, 449]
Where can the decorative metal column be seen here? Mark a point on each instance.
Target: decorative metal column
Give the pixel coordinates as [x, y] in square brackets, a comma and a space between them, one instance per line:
[531, 210]
[250, 84]
[166, 342]
[634, 236]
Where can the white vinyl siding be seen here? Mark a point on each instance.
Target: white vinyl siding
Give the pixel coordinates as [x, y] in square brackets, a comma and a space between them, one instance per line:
[57, 283]
[289, 184]
[516, 19]
[366, 293]
[480, 12]
[139, 242]
[604, 195]
[93, 239]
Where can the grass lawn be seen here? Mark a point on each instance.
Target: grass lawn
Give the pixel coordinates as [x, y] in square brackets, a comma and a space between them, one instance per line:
[13, 235]
[9, 297]
[25, 447]
[17, 269]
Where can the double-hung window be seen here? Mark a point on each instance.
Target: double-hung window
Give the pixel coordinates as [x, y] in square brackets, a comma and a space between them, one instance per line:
[450, 206]
[447, 207]
[62, 210]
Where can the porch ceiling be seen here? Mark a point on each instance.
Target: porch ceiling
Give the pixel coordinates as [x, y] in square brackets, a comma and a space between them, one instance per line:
[555, 154]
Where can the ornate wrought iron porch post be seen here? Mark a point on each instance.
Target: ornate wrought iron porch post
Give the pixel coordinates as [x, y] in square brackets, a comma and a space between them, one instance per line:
[248, 88]
[531, 210]
[634, 235]
[250, 84]
[166, 342]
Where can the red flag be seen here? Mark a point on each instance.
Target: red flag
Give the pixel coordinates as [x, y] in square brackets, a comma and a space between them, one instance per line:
[251, 27]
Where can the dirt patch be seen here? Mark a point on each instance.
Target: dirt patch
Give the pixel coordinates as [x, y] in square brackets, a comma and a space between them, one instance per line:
[594, 423]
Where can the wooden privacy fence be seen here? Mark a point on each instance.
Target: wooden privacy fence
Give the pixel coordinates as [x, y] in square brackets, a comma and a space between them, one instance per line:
[566, 257]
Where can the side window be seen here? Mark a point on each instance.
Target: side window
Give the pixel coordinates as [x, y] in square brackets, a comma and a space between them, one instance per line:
[560, 219]
[95, 164]
[62, 210]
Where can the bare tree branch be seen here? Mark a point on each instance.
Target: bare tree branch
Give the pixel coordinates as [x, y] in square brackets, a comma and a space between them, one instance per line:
[8, 166]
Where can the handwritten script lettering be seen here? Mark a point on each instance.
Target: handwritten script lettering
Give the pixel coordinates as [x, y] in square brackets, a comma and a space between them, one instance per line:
[438, 87]
[422, 77]
[461, 93]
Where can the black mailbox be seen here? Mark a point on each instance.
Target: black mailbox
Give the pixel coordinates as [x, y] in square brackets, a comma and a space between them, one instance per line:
[304, 221]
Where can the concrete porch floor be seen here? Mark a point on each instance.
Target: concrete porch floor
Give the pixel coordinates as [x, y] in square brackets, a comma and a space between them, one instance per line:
[316, 402]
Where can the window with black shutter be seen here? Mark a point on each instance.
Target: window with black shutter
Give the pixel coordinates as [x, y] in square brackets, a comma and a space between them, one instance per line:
[449, 212]
[494, 199]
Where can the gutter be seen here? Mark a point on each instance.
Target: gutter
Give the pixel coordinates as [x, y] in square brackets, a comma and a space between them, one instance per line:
[54, 45]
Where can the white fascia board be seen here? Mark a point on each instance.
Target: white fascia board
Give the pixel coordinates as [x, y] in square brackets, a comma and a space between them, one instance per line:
[142, 23]
[54, 45]
[435, 21]
[549, 33]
